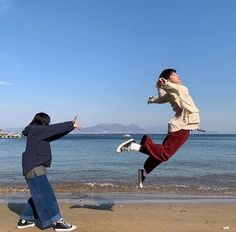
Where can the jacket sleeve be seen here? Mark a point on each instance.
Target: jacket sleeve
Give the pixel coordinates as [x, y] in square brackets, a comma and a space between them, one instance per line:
[56, 131]
[170, 87]
[55, 137]
[161, 98]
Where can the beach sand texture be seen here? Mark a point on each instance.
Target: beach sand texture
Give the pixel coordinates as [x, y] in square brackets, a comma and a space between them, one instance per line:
[158, 217]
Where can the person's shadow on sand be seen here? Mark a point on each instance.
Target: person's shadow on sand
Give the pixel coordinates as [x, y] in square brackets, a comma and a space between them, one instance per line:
[106, 206]
[18, 208]
[101, 203]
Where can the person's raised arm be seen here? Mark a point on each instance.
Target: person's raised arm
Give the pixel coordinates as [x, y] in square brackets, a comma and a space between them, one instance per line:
[168, 86]
[56, 131]
[161, 98]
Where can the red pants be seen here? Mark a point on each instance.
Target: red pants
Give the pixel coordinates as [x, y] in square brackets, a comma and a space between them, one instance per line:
[159, 153]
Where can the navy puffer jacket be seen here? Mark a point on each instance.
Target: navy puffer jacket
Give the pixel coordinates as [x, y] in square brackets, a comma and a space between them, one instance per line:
[38, 150]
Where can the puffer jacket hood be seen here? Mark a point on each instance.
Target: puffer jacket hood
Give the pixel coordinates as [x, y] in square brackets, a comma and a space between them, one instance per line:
[25, 132]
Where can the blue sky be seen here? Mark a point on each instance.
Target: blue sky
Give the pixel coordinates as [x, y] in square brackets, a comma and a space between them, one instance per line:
[101, 58]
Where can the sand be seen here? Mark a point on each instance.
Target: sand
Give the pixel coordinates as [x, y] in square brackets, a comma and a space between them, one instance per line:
[143, 217]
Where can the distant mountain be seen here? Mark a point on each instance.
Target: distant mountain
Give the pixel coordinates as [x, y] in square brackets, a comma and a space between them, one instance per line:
[114, 128]
[117, 128]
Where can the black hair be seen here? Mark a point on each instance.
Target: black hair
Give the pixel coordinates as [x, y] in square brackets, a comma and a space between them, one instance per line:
[166, 73]
[41, 119]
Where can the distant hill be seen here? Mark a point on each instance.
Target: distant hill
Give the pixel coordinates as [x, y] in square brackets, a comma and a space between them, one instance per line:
[114, 128]
[117, 128]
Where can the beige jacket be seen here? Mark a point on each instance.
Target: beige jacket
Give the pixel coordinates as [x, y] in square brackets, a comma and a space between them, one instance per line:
[186, 112]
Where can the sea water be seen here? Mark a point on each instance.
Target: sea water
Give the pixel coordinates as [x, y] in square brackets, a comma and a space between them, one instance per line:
[205, 163]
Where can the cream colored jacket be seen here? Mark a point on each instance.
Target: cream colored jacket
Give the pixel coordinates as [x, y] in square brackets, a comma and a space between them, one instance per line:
[186, 112]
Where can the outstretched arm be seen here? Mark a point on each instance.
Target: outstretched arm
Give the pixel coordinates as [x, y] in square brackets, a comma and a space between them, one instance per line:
[161, 98]
[56, 131]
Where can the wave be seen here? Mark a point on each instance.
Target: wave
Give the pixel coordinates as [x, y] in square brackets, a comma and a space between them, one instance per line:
[95, 187]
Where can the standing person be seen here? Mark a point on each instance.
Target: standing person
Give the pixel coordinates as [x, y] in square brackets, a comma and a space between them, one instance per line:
[170, 90]
[35, 159]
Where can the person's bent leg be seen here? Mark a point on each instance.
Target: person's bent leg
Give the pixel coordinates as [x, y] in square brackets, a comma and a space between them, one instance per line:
[173, 141]
[44, 200]
[150, 148]
[162, 152]
[29, 212]
[46, 204]
[150, 164]
[28, 216]
[159, 153]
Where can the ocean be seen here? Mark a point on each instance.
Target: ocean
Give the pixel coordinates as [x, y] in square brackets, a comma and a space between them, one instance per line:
[205, 165]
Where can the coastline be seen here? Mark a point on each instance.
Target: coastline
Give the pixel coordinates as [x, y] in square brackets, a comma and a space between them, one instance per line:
[94, 188]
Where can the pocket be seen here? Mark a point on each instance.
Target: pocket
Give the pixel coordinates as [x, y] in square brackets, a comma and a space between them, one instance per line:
[43, 149]
[193, 118]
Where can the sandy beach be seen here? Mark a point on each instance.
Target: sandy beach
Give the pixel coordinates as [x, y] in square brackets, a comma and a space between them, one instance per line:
[137, 217]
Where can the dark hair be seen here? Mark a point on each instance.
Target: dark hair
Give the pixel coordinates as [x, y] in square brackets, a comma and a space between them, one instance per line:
[166, 73]
[41, 119]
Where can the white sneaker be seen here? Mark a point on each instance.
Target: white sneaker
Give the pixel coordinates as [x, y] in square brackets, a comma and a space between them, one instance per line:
[125, 146]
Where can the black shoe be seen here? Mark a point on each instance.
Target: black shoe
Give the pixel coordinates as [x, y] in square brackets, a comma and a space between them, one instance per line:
[62, 226]
[141, 177]
[24, 224]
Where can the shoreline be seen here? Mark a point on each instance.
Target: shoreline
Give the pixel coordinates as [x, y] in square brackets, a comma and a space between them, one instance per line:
[104, 188]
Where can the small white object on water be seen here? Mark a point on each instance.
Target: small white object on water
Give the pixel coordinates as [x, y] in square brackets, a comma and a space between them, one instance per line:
[225, 228]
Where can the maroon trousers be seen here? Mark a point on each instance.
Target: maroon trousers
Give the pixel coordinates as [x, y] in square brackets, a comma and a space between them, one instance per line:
[159, 153]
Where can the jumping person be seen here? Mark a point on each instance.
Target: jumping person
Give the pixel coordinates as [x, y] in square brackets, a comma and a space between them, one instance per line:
[170, 90]
[35, 159]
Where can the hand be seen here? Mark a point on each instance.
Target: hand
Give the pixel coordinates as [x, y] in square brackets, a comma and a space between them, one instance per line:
[151, 99]
[160, 82]
[75, 122]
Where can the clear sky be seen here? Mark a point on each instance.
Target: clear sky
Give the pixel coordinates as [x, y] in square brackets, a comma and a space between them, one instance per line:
[101, 58]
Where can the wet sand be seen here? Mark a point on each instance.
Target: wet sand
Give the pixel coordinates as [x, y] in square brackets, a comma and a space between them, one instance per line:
[135, 217]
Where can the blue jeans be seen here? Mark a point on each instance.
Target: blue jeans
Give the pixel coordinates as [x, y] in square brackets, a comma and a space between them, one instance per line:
[43, 204]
